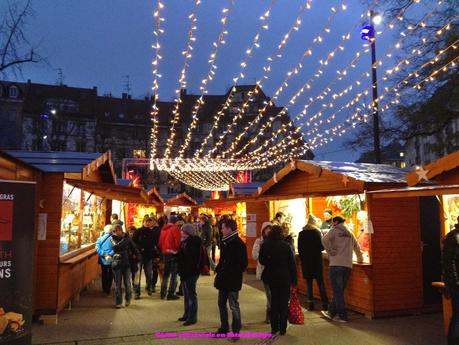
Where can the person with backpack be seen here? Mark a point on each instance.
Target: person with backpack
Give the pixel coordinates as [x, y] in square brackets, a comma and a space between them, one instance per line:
[146, 240]
[122, 247]
[228, 280]
[188, 259]
[103, 248]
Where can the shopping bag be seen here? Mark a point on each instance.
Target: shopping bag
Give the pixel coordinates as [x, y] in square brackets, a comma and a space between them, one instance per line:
[295, 313]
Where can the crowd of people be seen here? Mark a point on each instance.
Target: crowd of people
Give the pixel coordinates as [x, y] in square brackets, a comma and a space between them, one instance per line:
[178, 249]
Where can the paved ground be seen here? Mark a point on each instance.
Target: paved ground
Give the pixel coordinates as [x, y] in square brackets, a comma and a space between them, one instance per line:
[94, 321]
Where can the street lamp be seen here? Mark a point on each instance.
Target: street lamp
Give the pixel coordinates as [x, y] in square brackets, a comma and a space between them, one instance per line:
[368, 33]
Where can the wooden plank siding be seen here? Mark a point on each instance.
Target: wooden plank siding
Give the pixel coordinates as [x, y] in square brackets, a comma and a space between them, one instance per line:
[396, 255]
[299, 182]
[359, 291]
[47, 262]
[261, 209]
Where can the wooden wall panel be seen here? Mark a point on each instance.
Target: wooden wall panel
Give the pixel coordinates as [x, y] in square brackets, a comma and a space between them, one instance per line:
[396, 255]
[47, 269]
[302, 183]
[358, 294]
[261, 209]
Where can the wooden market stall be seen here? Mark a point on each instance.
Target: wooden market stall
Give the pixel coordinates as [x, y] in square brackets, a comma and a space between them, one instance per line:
[181, 203]
[134, 212]
[436, 187]
[390, 281]
[74, 192]
[249, 213]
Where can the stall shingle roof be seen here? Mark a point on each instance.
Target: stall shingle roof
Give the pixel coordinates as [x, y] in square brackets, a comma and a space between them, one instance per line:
[366, 172]
[63, 162]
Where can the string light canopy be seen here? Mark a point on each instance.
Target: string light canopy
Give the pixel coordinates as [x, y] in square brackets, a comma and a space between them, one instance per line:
[269, 137]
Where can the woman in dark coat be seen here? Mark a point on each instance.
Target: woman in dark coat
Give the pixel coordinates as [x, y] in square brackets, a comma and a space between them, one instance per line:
[279, 273]
[188, 269]
[122, 249]
[310, 251]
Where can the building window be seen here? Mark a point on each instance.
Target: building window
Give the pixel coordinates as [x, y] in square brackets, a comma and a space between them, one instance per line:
[13, 92]
[139, 153]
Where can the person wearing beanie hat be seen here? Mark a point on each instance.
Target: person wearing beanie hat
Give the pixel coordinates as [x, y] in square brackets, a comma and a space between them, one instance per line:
[328, 221]
[188, 270]
[103, 248]
[310, 251]
[265, 230]
[339, 243]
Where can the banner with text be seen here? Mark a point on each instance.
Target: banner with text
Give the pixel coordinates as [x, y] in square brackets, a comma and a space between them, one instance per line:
[17, 216]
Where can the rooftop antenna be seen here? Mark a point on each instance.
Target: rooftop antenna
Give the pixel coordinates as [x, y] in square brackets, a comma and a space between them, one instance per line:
[127, 84]
[60, 77]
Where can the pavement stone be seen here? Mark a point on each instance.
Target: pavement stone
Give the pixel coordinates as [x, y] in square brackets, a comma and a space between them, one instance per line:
[95, 321]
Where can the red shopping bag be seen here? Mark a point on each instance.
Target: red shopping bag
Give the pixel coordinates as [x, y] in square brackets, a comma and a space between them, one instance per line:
[295, 313]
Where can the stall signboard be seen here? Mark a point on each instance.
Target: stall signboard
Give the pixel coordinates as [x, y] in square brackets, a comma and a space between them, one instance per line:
[17, 215]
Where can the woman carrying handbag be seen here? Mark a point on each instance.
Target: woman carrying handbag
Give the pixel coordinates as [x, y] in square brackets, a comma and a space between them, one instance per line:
[279, 274]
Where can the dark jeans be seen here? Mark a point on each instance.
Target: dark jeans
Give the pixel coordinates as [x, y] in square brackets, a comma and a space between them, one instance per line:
[211, 261]
[170, 270]
[122, 274]
[225, 296]
[323, 292]
[149, 276]
[280, 295]
[190, 299]
[107, 278]
[339, 276]
[214, 247]
[453, 330]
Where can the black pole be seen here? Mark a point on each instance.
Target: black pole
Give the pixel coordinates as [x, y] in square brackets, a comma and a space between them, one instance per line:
[377, 150]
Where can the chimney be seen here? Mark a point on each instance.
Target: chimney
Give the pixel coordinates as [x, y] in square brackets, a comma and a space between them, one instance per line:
[182, 92]
[129, 96]
[124, 95]
[95, 89]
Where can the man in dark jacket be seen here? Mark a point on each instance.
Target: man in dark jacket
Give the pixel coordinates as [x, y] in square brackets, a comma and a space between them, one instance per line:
[310, 250]
[451, 279]
[206, 237]
[228, 281]
[279, 273]
[146, 240]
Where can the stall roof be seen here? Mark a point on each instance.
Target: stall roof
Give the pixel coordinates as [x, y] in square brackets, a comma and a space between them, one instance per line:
[154, 194]
[65, 162]
[181, 200]
[361, 172]
[366, 172]
[113, 191]
[434, 169]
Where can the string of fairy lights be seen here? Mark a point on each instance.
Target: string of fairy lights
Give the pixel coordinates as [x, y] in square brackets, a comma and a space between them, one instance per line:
[317, 74]
[327, 136]
[274, 136]
[263, 26]
[336, 96]
[210, 75]
[156, 76]
[187, 55]
[259, 83]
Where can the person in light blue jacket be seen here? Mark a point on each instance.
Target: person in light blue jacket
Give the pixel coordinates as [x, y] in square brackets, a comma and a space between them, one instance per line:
[105, 251]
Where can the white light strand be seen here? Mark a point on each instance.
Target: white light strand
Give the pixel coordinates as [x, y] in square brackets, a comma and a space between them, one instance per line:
[187, 54]
[284, 85]
[267, 69]
[243, 65]
[327, 135]
[156, 76]
[210, 75]
[335, 96]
